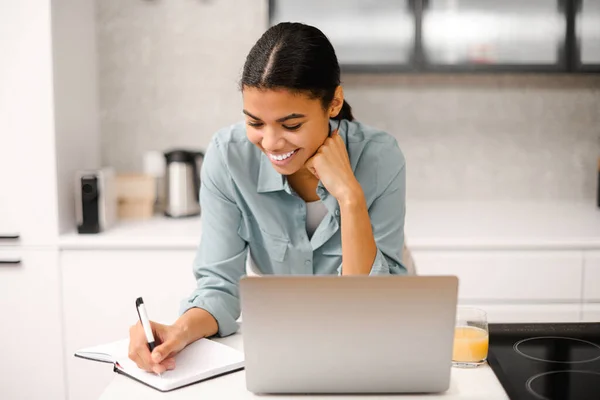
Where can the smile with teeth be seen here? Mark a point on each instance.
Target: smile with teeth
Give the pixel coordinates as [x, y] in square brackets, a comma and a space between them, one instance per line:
[282, 157]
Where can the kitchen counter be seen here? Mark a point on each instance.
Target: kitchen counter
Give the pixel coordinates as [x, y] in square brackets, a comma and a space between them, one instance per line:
[429, 226]
[156, 233]
[472, 384]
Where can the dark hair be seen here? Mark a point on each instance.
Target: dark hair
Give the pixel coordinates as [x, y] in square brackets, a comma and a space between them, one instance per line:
[296, 57]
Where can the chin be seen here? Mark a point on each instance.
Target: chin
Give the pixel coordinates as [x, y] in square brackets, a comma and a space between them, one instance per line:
[287, 170]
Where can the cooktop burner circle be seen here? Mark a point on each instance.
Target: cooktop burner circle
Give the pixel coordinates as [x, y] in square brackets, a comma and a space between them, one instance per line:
[567, 384]
[566, 350]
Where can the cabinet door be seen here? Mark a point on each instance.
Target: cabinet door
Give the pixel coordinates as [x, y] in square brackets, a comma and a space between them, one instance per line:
[10, 231]
[9, 135]
[27, 165]
[508, 275]
[588, 34]
[30, 333]
[591, 276]
[486, 34]
[364, 33]
[99, 292]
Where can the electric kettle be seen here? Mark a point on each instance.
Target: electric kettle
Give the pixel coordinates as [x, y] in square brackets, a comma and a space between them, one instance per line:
[182, 183]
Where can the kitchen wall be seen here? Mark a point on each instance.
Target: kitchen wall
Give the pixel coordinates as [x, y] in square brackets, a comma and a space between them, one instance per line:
[168, 73]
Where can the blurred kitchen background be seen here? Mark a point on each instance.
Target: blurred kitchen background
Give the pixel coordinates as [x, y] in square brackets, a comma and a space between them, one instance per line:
[168, 74]
[495, 104]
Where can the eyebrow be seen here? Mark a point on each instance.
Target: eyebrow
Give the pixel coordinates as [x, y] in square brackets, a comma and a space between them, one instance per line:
[291, 116]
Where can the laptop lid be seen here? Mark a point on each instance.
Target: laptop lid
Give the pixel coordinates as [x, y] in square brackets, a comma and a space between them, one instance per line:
[354, 334]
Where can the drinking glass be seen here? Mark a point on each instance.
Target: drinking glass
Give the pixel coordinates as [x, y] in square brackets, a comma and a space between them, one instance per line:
[471, 338]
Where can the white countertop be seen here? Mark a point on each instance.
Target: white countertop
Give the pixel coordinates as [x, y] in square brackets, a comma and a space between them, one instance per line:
[472, 384]
[156, 233]
[429, 226]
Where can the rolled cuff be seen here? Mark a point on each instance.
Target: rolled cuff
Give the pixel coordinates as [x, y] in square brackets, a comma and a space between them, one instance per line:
[385, 266]
[381, 266]
[226, 322]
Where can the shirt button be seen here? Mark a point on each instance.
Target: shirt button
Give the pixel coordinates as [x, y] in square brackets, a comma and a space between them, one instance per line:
[337, 213]
[307, 262]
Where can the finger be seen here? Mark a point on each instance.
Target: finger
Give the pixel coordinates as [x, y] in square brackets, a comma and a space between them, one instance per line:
[159, 368]
[310, 165]
[163, 351]
[143, 362]
[138, 349]
[338, 139]
[169, 363]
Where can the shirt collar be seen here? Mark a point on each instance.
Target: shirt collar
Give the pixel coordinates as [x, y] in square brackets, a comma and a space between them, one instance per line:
[269, 180]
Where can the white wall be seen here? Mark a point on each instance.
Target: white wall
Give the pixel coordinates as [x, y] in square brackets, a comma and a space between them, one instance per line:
[169, 72]
[75, 97]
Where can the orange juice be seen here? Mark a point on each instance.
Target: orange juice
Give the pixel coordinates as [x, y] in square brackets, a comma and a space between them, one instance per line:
[470, 344]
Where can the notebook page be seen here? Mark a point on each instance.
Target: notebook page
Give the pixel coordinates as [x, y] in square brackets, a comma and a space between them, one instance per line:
[108, 352]
[200, 360]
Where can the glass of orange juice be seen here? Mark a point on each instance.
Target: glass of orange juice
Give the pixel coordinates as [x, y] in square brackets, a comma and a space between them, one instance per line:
[471, 338]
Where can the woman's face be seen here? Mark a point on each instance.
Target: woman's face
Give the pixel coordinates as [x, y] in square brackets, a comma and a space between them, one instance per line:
[289, 128]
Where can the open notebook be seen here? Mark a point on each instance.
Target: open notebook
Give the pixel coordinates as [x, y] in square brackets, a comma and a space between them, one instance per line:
[200, 360]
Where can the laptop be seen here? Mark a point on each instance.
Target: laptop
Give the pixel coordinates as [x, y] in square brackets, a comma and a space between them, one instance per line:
[350, 334]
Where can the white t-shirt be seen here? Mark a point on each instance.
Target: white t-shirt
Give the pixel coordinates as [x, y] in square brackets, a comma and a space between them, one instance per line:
[315, 212]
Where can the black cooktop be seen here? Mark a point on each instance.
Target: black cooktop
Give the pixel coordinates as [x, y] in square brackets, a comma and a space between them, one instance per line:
[547, 361]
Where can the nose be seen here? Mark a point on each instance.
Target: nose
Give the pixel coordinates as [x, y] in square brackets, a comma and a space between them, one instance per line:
[271, 140]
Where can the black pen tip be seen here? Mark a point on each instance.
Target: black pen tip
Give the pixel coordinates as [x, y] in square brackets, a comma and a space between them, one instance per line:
[139, 301]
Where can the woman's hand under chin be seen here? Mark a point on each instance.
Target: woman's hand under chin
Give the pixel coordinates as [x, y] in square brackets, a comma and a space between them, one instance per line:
[331, 165]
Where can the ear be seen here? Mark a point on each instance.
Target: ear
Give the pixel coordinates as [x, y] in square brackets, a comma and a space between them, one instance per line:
[337, 102]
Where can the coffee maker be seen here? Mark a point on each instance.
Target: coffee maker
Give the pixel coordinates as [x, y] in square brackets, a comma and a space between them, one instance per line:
[182, 183]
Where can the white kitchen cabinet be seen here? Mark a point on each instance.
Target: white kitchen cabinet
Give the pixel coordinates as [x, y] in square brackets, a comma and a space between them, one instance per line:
[591, 276]
[9, 182]
[520, 313]
[494, 276]
[30, 325]
[27, 163]
[48, 114]
[99, 292]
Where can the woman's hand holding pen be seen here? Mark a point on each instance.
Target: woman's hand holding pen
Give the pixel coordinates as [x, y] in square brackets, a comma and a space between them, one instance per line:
[154, 349]
[170, 339]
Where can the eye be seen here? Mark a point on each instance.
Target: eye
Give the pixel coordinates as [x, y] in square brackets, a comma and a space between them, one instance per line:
[292, 128]
[255, 124]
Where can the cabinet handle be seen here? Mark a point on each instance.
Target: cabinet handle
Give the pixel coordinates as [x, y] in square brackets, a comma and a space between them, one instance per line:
[10, 262]
[9, 236]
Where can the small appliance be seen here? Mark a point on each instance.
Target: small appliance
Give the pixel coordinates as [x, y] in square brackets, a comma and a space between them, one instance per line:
[95, 200]
[182, 183]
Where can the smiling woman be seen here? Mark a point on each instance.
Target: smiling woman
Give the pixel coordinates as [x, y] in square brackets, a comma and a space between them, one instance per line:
[300, 185]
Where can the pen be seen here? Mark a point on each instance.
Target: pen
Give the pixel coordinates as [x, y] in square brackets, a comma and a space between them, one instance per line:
[143, 315]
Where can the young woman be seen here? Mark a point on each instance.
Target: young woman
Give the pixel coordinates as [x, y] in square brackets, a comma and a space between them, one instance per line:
[301, 184]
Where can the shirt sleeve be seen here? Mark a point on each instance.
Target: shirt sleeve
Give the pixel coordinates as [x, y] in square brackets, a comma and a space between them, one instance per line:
[387, 212]
[221, 258]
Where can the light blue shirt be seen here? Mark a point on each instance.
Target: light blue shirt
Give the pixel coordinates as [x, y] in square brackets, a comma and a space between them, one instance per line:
[247, 204]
